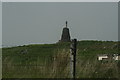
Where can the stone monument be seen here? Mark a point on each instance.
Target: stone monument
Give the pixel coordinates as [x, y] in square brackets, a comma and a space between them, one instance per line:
[65, 34]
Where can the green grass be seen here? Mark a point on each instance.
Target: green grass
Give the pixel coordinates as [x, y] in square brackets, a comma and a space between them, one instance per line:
[38, 62]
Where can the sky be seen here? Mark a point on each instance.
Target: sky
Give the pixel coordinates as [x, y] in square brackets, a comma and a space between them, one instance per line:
[0, 24]
[60, 0]
[0, 40]
[33, 23]
[119, 21]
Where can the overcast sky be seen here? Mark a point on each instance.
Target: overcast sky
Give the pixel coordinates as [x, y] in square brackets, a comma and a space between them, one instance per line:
[60, 0]
[27, 23]
[0, 24]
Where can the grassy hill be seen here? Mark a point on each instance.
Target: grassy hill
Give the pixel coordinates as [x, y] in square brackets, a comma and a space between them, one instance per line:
[53, 61]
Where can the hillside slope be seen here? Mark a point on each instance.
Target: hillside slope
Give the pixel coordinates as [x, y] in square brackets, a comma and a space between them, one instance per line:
[53, 61]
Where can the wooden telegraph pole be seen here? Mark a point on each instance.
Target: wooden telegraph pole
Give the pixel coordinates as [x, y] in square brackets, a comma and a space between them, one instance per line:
[73, 48]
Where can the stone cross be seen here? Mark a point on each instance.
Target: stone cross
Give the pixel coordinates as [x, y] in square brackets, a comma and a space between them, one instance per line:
[66, 24]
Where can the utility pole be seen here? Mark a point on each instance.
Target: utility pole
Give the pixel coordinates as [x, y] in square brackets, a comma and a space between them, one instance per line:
[73, 48]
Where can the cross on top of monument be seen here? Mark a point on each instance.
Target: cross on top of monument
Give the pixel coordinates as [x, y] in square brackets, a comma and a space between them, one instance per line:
[66, 24]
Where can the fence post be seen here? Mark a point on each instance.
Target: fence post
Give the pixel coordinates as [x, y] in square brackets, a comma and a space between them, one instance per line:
[73, 48]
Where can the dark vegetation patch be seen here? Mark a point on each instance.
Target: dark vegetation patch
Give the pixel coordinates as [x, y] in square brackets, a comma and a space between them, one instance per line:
[52, 60]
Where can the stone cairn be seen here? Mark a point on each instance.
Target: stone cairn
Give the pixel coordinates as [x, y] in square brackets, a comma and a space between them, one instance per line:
[65, 35]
